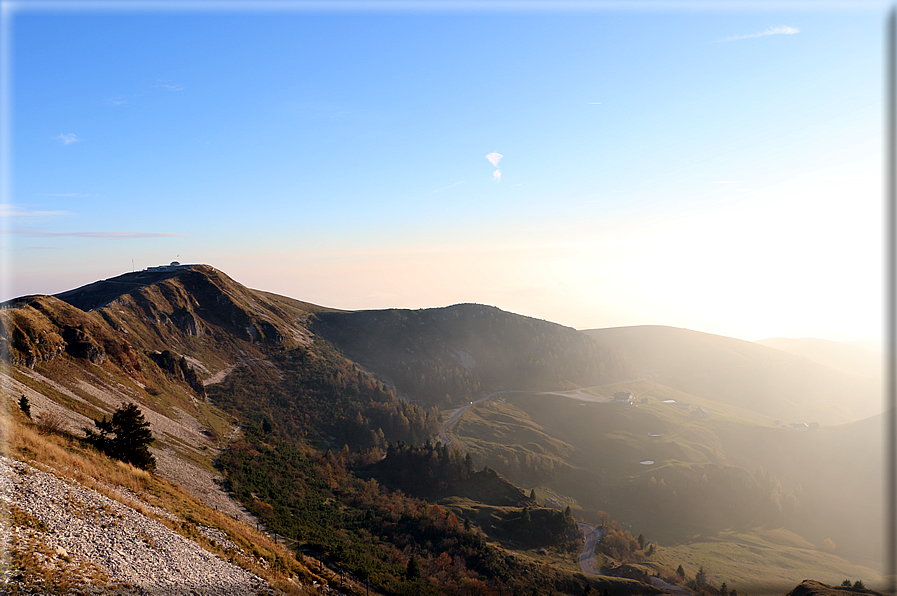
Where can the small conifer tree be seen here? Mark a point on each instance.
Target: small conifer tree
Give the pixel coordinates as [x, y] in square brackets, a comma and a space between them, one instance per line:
[25, 406]
[126, 436]
[700, 578]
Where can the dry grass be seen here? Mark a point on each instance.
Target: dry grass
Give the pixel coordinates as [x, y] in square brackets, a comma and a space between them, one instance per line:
[65, 456]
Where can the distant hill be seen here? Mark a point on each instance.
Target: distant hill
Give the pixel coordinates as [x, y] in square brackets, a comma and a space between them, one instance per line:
[452, 355]
[840, 356]
[872, 346]
[745, 374]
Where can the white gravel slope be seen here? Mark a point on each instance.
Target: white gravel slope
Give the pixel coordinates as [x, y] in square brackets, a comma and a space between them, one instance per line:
[105, 546]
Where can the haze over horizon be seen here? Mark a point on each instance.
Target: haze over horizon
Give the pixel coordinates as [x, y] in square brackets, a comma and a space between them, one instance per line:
[714, 169]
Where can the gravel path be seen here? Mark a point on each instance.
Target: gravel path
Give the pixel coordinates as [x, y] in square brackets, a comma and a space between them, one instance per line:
[89, 543]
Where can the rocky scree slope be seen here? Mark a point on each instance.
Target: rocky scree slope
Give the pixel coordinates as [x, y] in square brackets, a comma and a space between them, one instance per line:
[68, 538]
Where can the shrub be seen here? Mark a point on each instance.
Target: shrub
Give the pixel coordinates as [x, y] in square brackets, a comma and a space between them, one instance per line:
[50, 423]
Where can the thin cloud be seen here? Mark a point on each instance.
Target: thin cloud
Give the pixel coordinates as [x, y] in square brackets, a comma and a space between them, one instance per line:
[13, 211]
[67, 138]
[446, 187]
[109, 235]
[496, 175]
[768, 31]
[594, 103]
[169, 85]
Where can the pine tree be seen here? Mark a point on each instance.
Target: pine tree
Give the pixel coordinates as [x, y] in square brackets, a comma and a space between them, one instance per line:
[126, 436]
[700, 578]
[468, 465]
[25, 406]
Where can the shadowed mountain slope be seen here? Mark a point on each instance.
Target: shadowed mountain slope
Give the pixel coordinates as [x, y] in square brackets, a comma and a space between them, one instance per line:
[452, 355]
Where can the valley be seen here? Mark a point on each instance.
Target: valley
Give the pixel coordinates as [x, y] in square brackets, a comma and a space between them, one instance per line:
[456, 450]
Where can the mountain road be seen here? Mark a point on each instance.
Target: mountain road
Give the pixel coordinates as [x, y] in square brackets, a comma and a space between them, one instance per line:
[592, 535]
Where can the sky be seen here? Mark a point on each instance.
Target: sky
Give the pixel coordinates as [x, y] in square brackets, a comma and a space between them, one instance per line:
[713, 166]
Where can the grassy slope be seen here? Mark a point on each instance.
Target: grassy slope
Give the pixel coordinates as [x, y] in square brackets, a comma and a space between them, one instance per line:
[597, 447]
[762, 561]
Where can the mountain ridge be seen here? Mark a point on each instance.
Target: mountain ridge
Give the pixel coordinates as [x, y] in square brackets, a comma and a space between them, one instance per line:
[312, 396]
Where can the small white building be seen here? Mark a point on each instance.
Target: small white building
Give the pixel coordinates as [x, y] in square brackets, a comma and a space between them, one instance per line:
[623, 397]
[174, 266]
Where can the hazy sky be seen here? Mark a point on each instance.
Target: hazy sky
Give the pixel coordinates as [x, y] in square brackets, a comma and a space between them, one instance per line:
[718, 169]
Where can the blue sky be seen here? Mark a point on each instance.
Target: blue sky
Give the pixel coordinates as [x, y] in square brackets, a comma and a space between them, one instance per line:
[712, 168]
